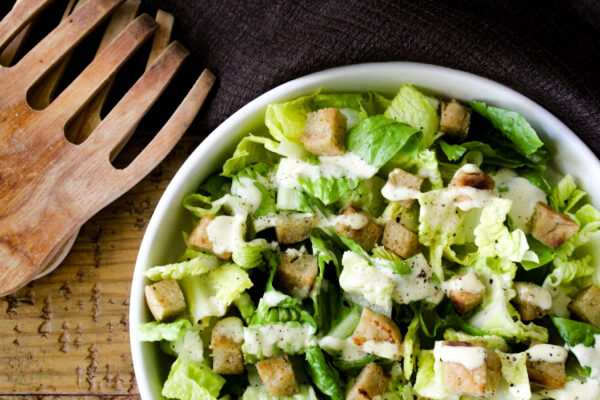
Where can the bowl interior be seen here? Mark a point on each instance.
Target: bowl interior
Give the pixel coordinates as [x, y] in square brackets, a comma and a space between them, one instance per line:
[163, 242]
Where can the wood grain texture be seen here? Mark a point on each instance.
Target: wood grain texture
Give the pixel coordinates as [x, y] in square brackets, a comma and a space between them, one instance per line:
[67, 333]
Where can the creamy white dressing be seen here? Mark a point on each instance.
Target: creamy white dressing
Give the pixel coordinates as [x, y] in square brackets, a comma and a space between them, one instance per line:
[560, 302]
[398, 193]
[230, 327]
[418, 284]
[235, 205]
[470, 357]
[547, 352]
[247, 191]
[348, 351]
[387, 350]
[465, 283]
[535, 295]
[269, 221]
[348, 165]
[354, 221]
[589, 356]
[190, 346]
[524, 196]
[271, 338]
[226, 233]
[273, 298]
[574, 390]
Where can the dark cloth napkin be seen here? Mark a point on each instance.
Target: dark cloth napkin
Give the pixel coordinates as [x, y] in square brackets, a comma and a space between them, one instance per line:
[547, 50]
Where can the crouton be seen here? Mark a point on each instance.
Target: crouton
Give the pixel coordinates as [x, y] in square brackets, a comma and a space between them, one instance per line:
[455, 119]
[400, 240]
[372, 381]
[546, 365]
[325, 132]
[586, 305]
[199, 237]
[465, 292]
[401, 179]
[532, 301]
[461, 376]
[278, 376]
[294, 229]
[378, 334]
[297, 273]
[471, 176]
[366, 237]
[165, 299]
[551, 227]
[226, 345]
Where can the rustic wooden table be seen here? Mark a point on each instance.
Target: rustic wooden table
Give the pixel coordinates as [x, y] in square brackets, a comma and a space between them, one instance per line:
[67, 335]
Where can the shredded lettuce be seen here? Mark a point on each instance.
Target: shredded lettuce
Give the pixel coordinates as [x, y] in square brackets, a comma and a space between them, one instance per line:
[565, 194]
[199, 265]
[418, 110]
[189, 380]
[377, 139]
[512, 125]
[157, 331]
[210, 295]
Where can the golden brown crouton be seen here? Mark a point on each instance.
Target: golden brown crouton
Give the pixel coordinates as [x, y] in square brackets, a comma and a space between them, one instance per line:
[479, 381]
[278, 376]
[455, 119]
[586, 305]
[532, 301]
[378, 334]
[199, 237]
[474, 178]
[372, 381]
[551, 227]
[226, 345]
[165, 299]
[400, 240]
[297, 273]
[543, 372]
[366, 237]
[465, 292]
[294, 229]
[325, 132]
[400, 178]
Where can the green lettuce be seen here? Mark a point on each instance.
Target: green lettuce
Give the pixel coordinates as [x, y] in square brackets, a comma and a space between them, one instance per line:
[260, 393]
[490, 341]
[367, 196]
[210, 295]
[289, 199]
[188, 347]
[270, 340]
[566, 195]
[512, 125]
[216, 186]
[575, 332]
[325, 377]
[411, 347]
[199, 265]
[453, 152]
[515, 382]
[328, 190]
[189, 380]
[429, 383]
[493, 238]
[245, 306]
[157, 331]
[258, 149]
[417, 110]
[377, 139]
[256, 175]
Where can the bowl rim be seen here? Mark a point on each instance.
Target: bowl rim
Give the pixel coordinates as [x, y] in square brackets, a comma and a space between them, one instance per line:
[224, 133]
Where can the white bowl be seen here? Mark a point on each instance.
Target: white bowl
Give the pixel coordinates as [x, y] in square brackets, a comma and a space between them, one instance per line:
[163, 242]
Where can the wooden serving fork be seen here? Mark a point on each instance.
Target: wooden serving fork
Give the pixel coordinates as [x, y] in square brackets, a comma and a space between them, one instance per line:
[49, 186]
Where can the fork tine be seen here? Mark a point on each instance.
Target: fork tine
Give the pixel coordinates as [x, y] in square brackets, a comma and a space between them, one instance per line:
[162, 37]
[116, 128]
[169, 135]
[22, 12]
[63, 39]
[102, 69]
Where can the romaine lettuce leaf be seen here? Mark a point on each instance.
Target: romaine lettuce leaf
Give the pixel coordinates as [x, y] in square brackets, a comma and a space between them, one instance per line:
[328, 190]
[565, 195]
[377, 139]
[216, 186]
[253, 186]
[430, 383]
[411, 347]
[250, 254]
[416, 109]
[575, 332]
[367, 196]
[189, 380]
[453, 152]
[188, 347]
[271, 340]
[156, 331]
[491, 341]
[198, 265]
[515, 382]
[260, 393]
[245, 306]
[210, 295]
[326, 378]
[512, 125]
[492, 236]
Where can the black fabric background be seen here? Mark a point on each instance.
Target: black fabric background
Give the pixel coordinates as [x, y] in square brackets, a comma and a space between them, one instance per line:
[547, 50]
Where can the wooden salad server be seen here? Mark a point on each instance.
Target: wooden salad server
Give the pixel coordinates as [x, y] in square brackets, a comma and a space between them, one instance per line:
[49, 186]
